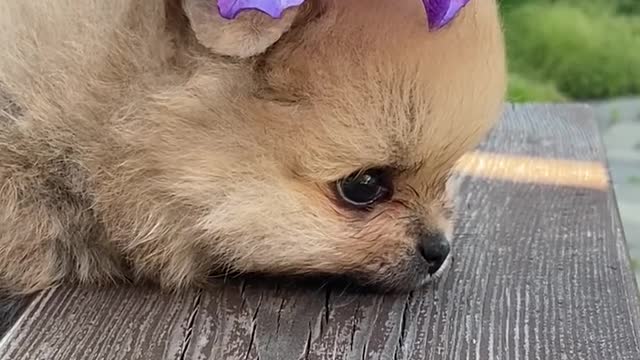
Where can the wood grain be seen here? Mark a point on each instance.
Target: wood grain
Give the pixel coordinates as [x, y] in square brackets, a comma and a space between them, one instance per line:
[540, 271]
[125, 323]
[11, 308]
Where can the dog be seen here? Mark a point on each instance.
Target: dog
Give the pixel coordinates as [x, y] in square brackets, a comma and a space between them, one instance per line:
[154, 140]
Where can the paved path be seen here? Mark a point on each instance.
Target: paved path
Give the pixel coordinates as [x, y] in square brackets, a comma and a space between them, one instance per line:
[619, 122]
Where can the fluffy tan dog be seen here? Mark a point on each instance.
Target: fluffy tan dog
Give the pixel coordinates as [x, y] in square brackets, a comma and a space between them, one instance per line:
[151, 139]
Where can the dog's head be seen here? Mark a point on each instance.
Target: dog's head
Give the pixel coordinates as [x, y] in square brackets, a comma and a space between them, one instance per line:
[322, 142]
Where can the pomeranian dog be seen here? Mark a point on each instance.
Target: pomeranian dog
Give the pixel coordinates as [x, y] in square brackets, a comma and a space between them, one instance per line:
[155, 140]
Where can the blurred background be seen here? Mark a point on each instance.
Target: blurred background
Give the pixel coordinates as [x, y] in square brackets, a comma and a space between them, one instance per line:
[585, 51]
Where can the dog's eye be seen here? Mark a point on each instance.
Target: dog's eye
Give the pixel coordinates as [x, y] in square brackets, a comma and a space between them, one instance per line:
[364, 189]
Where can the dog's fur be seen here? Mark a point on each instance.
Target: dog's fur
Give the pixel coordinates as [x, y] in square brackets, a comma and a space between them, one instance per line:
[150, 139]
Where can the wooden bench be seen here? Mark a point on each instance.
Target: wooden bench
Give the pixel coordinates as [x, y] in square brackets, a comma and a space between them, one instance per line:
[541, 271]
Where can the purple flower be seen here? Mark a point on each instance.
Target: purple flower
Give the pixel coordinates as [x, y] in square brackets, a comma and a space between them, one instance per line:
[442, 12]
[229, 9]
[439, 12]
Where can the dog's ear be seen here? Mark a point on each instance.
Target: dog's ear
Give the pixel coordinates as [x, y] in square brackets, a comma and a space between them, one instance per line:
[249, 34]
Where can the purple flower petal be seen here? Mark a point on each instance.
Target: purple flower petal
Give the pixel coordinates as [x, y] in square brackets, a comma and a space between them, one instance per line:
[229, 9]
[439, 12]
[442, 12]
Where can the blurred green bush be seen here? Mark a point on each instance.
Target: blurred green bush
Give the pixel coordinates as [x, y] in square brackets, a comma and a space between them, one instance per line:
[572, 49]
[523, 89]
[629, 6]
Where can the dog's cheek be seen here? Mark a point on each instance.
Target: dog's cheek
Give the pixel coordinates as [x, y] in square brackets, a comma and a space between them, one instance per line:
[262, 227]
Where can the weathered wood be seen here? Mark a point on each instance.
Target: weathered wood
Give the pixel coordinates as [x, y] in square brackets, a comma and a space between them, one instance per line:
[540, 272]
[101, 323]
[10, 310]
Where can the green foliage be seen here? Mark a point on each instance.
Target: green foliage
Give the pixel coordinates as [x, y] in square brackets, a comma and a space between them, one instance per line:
[590, 5]
[614, 117]
[582, 47]
[628, 6]
[522, 89]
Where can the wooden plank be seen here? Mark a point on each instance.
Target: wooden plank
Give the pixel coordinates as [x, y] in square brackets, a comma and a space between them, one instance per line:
[124, 323]
[10, 310]
[540, 271]
[553, 132]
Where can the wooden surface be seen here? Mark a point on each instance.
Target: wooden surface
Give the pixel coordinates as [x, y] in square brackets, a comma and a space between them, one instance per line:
[540, 272]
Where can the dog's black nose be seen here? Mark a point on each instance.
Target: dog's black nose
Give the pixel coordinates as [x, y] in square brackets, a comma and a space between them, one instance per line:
[435, 248]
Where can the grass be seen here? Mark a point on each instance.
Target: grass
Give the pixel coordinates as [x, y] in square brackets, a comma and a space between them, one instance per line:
[571, 49]
[614, 117]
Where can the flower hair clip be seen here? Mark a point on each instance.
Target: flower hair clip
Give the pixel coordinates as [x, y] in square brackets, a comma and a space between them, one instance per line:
[439, 12]
[442, 12]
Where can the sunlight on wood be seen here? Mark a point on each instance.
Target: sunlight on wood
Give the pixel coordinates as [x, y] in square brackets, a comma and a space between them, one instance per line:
[524, 169]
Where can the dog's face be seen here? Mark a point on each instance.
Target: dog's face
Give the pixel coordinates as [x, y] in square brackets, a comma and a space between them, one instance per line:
[335, 145]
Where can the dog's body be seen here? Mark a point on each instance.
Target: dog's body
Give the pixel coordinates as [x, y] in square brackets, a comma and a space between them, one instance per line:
[137, 140]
